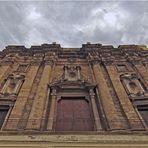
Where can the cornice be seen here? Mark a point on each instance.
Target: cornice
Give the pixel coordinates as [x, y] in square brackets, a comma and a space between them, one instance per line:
[54, 51]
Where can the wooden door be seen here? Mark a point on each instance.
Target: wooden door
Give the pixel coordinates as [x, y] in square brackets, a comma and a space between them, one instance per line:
[74, 114]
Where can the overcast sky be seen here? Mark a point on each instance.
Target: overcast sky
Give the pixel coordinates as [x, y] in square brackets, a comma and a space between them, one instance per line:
[73, 23]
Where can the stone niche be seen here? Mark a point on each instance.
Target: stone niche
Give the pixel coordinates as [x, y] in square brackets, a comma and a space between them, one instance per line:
[133, 85]
[72, 73]
[12, 84]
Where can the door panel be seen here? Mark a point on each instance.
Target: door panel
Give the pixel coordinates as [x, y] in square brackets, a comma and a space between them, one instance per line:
[74, 114]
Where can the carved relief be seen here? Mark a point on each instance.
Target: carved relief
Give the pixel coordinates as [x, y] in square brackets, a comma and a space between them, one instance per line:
[93, 56]
[22, 68]
[72, 73]
[133, 85]
[25, 56]
[12, 84]
[50, 56]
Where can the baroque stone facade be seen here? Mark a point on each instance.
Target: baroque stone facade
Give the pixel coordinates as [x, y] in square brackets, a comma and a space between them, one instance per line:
[96, 88]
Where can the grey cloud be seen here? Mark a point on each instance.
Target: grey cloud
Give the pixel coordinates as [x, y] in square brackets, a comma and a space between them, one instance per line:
[73, 23]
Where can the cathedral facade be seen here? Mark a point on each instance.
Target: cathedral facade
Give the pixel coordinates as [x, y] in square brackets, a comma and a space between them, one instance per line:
[94, 94]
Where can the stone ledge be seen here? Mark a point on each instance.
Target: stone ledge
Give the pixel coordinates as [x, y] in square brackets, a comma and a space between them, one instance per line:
[76, 138]
[87, 141]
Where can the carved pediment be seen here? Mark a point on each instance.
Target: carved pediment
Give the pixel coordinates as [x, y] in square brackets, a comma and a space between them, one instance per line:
[71, 85]
[71, 78]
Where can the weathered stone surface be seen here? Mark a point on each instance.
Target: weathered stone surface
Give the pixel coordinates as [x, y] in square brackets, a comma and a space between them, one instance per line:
[17, 111]
[130, 112]
[143, 71]
[106, 98]
[33, 103]
[74, 140]
[35, 118]
[3, 70]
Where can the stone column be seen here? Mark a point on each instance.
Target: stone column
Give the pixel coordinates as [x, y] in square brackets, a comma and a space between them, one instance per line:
[95, 110]
[79, 75]
[35, 117]
[46, 106]
[106, 99]
[51, 117]
[65, 72]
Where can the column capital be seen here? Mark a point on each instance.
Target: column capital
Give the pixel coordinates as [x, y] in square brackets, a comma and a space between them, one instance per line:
[78, 67]
[91, 92]
[54, 92]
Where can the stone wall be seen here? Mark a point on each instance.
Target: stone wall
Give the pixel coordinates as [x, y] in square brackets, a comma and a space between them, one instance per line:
[95, 71]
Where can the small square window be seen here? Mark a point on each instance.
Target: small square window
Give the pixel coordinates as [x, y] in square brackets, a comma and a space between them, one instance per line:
[22, 68]
[122, 68]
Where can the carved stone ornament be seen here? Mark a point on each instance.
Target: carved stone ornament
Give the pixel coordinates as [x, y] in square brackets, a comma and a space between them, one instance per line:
[71, 78]
[22, 68]
[50, 56]
[71, 60]
[12, 84]
[72, 73]
[133, 85]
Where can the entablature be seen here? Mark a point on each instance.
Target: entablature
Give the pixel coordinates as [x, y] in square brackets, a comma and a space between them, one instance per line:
[88, 51]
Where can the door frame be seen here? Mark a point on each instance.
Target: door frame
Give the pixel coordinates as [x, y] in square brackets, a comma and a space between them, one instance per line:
[85, 97]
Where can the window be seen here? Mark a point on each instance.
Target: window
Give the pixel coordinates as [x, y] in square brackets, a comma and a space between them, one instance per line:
[3, 113]
[143, 110]
[22, 68]
[122, 68]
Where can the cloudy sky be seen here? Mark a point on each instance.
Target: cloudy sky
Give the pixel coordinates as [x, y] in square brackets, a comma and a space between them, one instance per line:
[73, 23]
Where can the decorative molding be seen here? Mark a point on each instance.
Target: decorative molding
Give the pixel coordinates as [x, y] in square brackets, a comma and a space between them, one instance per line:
[36, 62]
[133, 85]
[71, 78]
[12, 84]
